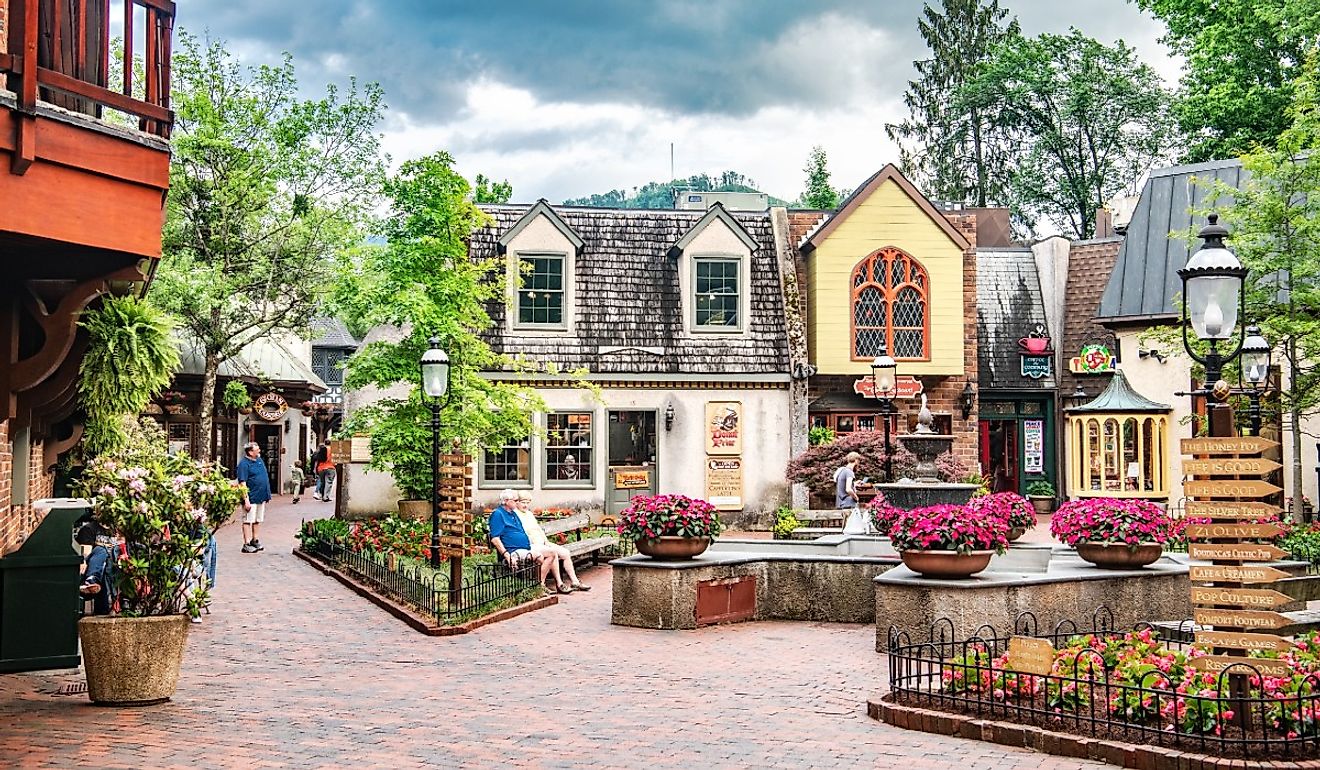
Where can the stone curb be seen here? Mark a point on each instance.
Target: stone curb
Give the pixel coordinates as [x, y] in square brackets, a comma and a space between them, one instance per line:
[1143, 757]
[418, 622]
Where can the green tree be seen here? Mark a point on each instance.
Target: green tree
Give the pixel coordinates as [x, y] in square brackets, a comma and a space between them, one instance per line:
[1242, 57]
[265, 188]
[1086, 120]
[660, 195]
[1275, 223]
[423, 283]
[489, 191]
[952, 151]
[819, 194]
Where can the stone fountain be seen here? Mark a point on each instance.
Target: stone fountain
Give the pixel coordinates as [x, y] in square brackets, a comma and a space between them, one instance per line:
[926, 489]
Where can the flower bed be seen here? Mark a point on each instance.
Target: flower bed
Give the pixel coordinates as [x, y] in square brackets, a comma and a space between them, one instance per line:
[1125, 686]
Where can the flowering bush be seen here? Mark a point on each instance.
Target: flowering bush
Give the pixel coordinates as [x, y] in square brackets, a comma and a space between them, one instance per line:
[883, 515]
[1111, 521]
[1178, 532]
[647, 518]
[391, 534]
[164, 508]
[1009, 506]
[948, 528]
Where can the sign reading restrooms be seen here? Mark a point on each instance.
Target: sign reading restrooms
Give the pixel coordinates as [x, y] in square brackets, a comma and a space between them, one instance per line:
[1237, 602]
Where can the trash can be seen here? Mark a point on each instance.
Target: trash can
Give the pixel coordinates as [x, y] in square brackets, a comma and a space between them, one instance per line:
[39, 601]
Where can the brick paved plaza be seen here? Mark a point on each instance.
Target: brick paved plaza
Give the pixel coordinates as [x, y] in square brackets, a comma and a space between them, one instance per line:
[293, 670]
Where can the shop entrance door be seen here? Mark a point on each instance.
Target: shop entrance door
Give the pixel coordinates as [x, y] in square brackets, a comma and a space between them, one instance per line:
[999, 454]
[632, 458]
[1016, 443]
[270, 438]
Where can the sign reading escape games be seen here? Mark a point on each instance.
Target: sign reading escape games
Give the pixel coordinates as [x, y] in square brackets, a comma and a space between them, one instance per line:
[1237, 614]
[724, 483]
[723, 427]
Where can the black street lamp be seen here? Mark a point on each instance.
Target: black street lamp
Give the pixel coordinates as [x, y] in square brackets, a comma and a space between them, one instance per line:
[884, 385]
[435, 383]
[1212, 298]
[1255, 371]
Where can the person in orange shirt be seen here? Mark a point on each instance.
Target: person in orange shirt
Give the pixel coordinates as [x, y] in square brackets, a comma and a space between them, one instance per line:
[324, 469]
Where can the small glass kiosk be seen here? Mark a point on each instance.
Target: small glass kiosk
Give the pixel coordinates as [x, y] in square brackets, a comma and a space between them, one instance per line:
[1118, 445]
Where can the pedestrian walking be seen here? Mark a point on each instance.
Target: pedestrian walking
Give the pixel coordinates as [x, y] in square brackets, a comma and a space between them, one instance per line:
[255, 479]
[324, 467]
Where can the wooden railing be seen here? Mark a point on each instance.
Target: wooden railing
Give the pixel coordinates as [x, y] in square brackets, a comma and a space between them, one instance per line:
[59, 51]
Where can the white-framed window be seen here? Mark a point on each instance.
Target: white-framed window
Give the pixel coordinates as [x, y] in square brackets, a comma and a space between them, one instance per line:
[570, 450]
[717, 286]
[508, 466]
[541, 292]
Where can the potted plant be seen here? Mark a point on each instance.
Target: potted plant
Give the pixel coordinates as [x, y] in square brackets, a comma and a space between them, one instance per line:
[948, 541]
[164, 509]
[883, 515]
[1011, 507]
[670, 526]
[1042, 495]
[1111, 533]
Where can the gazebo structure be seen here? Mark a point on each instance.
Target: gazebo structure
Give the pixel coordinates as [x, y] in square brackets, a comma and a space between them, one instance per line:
[1118, 445]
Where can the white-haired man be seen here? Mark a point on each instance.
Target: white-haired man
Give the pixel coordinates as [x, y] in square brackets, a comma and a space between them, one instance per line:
[255, 479]
[509, 538]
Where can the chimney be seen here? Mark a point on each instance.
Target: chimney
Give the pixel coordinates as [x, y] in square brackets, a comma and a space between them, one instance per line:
[1104, 223]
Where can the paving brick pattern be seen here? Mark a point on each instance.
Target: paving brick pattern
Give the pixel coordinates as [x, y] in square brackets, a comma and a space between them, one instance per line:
[293, 670]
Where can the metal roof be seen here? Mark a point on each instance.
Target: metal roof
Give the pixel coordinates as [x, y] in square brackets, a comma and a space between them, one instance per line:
[1145, 281]
[1119, 397]
[263, 359]
[330, 332]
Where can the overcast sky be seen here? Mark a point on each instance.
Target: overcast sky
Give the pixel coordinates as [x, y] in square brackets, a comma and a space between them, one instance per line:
[565, 98]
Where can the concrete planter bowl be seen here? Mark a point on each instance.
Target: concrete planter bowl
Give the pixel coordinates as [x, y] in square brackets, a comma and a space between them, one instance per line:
[1120, 556]
[132, 661]
[949, 565]
[1044, 505]
[673, 547]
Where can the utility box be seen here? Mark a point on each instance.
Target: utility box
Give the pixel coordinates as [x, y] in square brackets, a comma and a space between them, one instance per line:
[39, 601]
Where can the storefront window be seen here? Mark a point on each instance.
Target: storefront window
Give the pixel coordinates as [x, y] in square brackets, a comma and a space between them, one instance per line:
[568, 449]
[1119, 456]
[509, 466]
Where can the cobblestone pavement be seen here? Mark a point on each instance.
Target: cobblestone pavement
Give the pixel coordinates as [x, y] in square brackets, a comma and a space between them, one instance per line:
[293, 670]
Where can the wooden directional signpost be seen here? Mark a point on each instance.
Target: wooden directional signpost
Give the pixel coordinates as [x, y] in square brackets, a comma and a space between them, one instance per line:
[1227, 495]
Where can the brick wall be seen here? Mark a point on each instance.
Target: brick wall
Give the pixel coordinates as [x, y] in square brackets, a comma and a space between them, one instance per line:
[18, 521]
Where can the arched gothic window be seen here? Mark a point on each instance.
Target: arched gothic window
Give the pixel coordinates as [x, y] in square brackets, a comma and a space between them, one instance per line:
[889, 306]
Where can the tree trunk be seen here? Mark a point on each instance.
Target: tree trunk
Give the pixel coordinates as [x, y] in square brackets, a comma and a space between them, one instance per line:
[1295, 417]
[206, 409]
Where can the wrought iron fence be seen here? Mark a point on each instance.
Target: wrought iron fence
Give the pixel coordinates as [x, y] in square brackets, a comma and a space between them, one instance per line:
[1229, 715]
[422, 588]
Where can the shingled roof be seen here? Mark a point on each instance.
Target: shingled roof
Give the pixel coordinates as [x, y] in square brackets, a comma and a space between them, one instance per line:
[1009, 308]
[1145, 278]
[628, 306]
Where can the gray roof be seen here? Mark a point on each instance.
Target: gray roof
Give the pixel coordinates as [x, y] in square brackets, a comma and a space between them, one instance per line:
[1120, 397]
[1145, 279]
[262, 359]
[1008, 307]
[628, 308]
[332, 333]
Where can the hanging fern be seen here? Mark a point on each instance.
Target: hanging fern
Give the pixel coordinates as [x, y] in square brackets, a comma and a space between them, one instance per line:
[131, 356]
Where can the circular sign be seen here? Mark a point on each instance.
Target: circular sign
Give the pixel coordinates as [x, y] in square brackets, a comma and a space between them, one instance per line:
[270, 406]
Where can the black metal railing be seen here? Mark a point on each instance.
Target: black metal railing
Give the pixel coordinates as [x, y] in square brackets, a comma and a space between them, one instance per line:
[1228, 716]
[421, 588]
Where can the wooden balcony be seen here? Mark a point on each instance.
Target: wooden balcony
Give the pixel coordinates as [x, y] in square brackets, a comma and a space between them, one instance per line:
[83, 168]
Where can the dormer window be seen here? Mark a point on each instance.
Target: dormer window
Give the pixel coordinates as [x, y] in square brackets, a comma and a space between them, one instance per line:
[541, 296]
[718, 286]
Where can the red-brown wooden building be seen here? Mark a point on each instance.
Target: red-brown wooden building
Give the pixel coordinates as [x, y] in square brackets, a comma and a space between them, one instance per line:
[83, 174]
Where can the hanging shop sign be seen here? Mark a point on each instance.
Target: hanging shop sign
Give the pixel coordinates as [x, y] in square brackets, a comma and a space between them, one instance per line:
[1033, 441]
[723, 427]
[1037, 367]
[1093, 359]
[270, 406]
[904, 387]
[724, 483]
[632, 479]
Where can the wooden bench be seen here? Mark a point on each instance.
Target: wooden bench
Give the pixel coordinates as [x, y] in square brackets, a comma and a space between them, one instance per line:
[579, 548]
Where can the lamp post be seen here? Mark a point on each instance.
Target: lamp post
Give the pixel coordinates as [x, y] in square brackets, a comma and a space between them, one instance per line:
[1255, 371]
[1212, 298]
[883, 369]
[435, 384]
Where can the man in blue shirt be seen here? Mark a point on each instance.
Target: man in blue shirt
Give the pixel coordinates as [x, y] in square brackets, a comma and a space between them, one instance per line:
[506, 532]
[256, 483]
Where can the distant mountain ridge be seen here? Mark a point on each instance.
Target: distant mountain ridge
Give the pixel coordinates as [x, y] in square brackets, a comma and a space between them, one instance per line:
[659, 195]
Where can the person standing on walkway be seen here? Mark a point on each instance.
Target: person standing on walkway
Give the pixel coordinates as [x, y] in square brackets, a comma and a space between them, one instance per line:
[324, 468]
[256, 482]
[845, 482]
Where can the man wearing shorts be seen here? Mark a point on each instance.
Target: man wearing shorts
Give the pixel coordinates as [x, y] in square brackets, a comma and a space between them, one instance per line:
[506, 531]
[256, 484]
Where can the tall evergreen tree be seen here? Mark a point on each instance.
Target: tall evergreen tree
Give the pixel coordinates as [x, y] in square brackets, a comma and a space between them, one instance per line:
[952, 153]
[819, 194]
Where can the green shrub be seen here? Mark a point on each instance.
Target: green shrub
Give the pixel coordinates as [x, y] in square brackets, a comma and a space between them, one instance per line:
[820, 435]
[1040, 488]
[786, 521]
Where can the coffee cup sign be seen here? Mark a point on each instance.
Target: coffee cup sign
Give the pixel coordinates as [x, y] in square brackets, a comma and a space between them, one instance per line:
[270, 407]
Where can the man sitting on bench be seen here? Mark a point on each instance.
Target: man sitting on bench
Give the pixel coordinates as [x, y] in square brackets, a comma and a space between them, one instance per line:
[510, 540]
